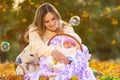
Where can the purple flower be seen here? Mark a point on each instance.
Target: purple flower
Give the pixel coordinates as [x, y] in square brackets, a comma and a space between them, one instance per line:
[79, 67]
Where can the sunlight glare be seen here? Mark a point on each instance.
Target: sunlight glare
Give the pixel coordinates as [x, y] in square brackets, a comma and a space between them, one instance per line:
[16, 4]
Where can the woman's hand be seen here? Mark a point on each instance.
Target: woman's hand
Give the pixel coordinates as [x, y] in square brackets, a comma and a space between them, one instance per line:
[59, 57]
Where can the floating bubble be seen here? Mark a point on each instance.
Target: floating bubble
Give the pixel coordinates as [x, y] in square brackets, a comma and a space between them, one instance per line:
[59, 23]
[5, 46]
[74, 21]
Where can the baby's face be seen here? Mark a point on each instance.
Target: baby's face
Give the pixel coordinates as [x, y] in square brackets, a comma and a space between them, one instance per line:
[68, 45]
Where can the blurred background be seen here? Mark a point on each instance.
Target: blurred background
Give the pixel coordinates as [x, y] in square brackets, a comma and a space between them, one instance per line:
[99, 27]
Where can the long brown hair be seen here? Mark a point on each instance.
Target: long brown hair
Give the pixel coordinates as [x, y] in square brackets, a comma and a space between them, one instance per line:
[38, 21]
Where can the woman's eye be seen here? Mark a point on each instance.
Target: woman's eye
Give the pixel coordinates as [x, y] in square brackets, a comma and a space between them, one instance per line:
[53, 18]
[46, 21]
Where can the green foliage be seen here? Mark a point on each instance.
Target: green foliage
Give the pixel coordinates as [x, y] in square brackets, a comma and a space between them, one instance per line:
[109, 78]
[97, 73]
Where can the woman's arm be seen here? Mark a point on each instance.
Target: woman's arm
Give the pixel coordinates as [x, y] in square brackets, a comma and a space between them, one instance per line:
[59, 57]
[37, 45]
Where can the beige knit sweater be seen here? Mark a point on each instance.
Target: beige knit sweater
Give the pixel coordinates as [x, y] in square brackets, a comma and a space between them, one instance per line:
[39, 46]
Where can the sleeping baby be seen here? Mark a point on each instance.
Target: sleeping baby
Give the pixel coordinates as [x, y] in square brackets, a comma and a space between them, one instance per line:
[68, 48]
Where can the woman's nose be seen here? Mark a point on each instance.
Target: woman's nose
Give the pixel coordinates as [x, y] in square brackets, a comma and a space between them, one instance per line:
[52, 23]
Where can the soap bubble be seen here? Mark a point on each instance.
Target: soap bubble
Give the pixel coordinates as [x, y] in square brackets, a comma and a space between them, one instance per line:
[5, 46]
[74, 21]
[59, 23]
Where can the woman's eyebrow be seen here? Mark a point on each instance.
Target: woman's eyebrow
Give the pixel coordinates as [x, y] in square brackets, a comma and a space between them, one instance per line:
[46, 20]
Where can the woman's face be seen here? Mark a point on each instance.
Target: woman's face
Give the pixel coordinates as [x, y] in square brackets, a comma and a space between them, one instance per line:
[50, 21]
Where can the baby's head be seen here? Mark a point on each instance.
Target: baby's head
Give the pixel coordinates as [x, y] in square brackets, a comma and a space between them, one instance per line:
[69, 43]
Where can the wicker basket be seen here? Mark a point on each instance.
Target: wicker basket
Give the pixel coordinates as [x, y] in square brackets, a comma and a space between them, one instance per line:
[66, 35]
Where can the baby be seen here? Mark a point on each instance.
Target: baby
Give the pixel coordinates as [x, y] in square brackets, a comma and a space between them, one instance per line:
[68, 48]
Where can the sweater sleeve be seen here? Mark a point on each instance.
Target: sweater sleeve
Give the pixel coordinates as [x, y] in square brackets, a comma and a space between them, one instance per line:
[37, 45]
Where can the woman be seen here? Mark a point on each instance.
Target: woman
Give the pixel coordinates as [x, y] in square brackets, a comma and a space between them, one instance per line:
[43, 28]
